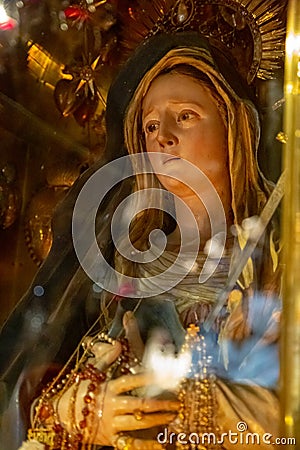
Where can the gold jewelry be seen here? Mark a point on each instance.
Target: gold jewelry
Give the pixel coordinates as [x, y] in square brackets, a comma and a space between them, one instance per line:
[197, 396]
[251, 32]
[48, 427]
[138, 414]
[123, 442]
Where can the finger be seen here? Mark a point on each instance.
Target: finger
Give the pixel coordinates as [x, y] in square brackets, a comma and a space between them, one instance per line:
[127, 404]
[128, 422]
[122, 442]
[127, 383]
[105, 354]
[132, 333]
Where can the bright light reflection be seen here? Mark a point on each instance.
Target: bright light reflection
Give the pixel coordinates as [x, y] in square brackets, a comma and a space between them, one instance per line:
[168, 369]
[289, 88]
[3, 16]
[6, 22]
[293, 44]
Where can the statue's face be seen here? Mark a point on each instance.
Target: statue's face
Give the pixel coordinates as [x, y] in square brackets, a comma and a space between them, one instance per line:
[181, 120]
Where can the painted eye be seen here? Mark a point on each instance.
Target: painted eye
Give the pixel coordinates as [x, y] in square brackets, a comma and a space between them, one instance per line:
[186, 115]
[151, 127]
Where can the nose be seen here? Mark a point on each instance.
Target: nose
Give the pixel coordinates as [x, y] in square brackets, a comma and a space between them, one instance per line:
[167, 136]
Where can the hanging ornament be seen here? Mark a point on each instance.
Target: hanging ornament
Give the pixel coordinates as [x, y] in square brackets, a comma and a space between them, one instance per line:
[84, 76]
[67, 97]
[38, 230]
[77, 13]
[9, 197]
[86, 110]
[63, 172]
[79, 96]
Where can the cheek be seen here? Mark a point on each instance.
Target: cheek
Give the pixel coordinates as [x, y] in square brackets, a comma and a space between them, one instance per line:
[214, 143]
[150, 144]
[210, 154]
[219, 131]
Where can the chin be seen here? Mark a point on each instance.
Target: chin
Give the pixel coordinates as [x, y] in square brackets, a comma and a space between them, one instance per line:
[176, 187]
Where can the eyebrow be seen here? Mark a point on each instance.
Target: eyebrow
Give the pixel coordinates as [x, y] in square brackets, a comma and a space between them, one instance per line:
[173, 102]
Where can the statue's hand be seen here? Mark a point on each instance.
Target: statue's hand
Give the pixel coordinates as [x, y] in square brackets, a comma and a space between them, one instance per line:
[122, 412]
[119, 412]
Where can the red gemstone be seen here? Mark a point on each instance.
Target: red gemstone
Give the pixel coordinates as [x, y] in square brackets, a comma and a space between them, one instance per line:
[82, 423]
[79, 437]
[101, 377]
[45, 412]
[94, 378]
[92, 387]
[87, 399]
[89, 374]
[85, 411]
[57, 428]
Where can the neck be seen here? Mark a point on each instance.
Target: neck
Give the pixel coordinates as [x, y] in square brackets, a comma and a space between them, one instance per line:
[200, 224]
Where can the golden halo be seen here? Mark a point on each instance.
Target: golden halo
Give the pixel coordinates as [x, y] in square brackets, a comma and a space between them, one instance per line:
[252, 32]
